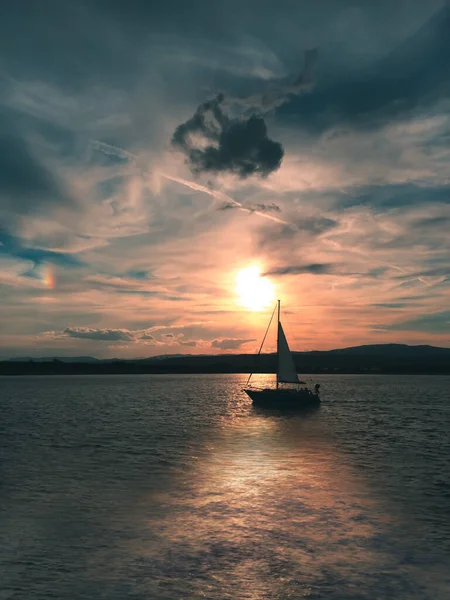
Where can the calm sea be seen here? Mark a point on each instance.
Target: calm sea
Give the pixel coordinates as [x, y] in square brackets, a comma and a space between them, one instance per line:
[174, 487]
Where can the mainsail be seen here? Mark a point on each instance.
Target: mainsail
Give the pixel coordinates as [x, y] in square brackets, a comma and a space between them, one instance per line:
[283, 396]
[287, 372]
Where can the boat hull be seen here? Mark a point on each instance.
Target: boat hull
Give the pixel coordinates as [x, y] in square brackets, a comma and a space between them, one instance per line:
[271, 398]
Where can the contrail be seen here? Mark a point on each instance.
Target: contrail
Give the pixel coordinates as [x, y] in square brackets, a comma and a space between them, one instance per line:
[113, 150]
[216, 194]
[222, 197]
[116, 151]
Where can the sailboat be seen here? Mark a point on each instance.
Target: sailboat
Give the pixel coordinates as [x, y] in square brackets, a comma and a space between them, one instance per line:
[282, 396]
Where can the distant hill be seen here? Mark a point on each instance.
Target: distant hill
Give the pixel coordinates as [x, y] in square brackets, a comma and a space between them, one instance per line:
[378, 358]
[395, 350]
[66, 359]
[88, 359]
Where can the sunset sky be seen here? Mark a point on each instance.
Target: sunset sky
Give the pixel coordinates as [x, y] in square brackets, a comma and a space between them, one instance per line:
[152, 151]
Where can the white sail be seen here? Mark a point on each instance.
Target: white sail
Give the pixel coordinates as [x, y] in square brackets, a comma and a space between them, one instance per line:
[287, 372]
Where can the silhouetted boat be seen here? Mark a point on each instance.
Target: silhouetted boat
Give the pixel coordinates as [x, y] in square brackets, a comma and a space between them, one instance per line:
[281, 396]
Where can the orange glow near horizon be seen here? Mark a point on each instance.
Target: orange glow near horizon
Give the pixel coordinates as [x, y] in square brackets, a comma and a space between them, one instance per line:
[254, 292]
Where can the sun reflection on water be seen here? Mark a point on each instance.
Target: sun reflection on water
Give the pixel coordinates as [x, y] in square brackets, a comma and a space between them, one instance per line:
[269, 508]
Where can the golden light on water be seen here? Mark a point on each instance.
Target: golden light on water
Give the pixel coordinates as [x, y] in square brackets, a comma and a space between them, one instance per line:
[254, 291]
[272, 504]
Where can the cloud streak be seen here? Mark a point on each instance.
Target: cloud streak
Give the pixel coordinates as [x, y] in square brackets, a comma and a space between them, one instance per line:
[102, 335]
[433, 323]
[313, 269]
[230, 344]
[258, 208]
[228, 202]
[353, 223]
[281, 92]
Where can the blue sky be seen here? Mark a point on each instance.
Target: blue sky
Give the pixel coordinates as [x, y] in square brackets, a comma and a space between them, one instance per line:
[149, 152]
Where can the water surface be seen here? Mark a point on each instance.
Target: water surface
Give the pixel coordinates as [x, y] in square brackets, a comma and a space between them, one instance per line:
[174, 487]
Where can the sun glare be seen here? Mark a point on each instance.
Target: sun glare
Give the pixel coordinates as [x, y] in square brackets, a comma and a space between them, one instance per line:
[254, 292]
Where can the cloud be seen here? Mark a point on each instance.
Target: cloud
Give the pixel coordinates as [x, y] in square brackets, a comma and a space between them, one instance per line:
[414, 73]
[433, 323]
[261, 208]
[229, 344]
[13, 272]
[138, 275]
[401, 195]
[25, 181]
[136, 336]
[103, 335]
[168, 336]
[14, 247]
[214, 142]
[147, 336]
[391, 305]
[281, 92]
[190, 343]
[277, 236]
[314, 269]
[432, 222]
[363, 182]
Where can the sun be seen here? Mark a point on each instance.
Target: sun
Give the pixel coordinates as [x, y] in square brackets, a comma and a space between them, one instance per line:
[254, 292]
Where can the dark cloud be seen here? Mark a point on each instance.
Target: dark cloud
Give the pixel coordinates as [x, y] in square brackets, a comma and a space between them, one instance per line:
[438, 322]
[443, 271]
[15, 247]
[391, 305]
[394, 196]
[278, 94]
[107, 39]
[265, 208]
[168, 336]
[24, 180]
[317, 225]
[133, 292]
[415, 73]
[20, 175]
[313, 268]
[230, 344]
[140, 275]
[229, 206]
[214, 142]
[377, 272]
[276, 236]
[191, 343]
[103, 335]
[432, 222]
[147, 336]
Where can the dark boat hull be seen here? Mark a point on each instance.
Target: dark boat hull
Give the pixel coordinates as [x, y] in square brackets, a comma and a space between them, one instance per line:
[272, 398]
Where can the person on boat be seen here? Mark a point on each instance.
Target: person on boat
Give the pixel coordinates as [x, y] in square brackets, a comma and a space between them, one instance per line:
[317, 388]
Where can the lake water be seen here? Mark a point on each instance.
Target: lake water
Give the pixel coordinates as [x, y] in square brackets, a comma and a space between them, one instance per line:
[174, 487]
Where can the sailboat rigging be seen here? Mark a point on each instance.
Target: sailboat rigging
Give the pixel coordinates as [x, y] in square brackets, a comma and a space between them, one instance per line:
[286, 373]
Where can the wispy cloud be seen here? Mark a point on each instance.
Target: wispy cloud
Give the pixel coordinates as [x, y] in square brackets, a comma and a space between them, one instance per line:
[230, 344]
[433, 323]
[104, 335]
[313, 268]
[107, 233]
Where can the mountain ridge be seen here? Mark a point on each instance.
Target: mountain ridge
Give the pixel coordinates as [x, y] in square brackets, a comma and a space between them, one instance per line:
[369, 358]
[363, 348]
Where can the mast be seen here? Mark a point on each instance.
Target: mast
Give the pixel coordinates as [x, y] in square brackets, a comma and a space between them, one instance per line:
[278, 340]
